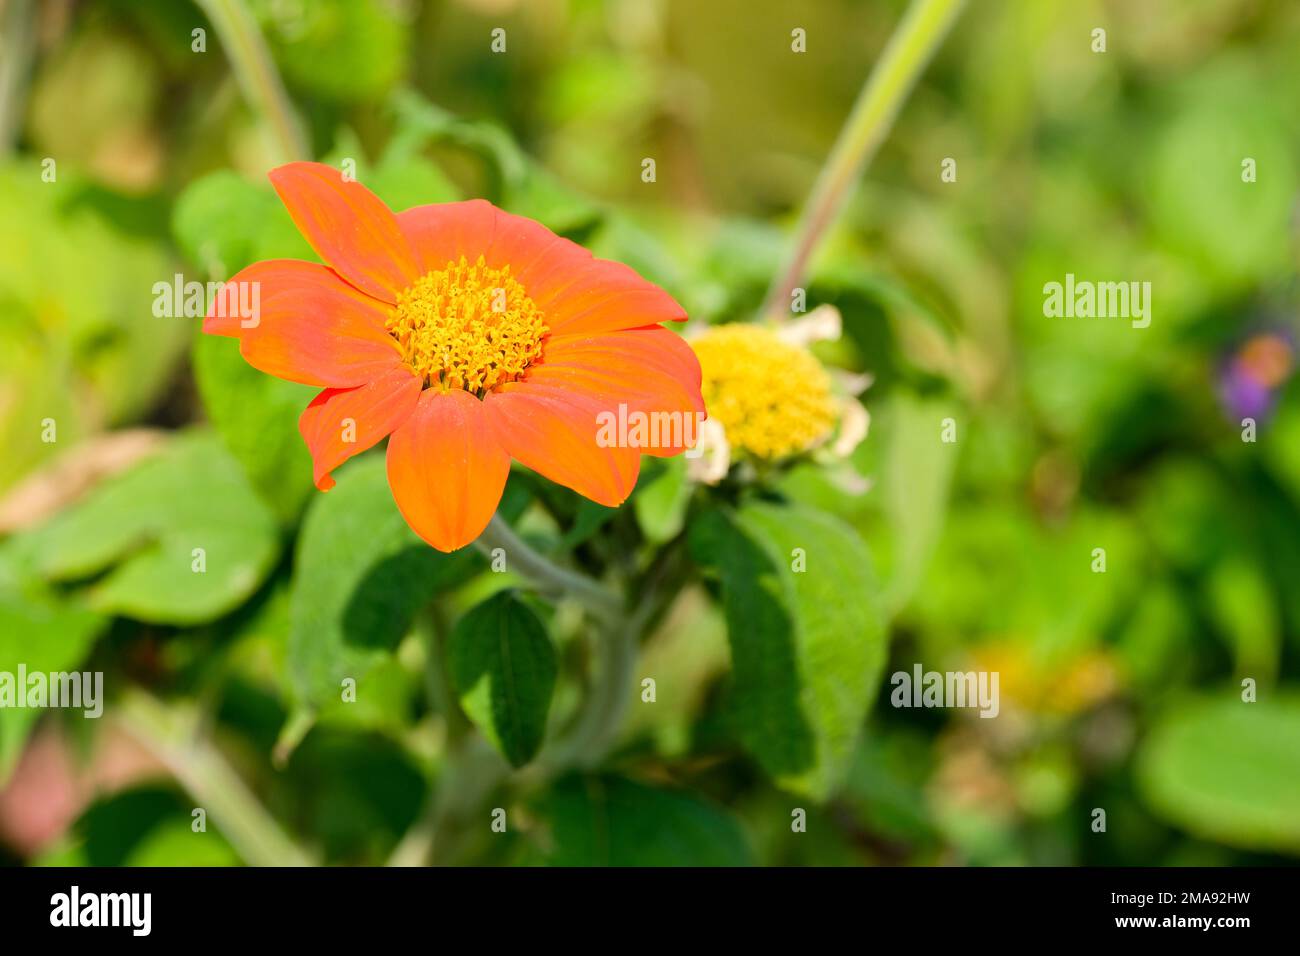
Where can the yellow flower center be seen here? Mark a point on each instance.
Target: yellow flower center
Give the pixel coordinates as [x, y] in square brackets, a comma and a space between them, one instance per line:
[772, 399]
[469, 326]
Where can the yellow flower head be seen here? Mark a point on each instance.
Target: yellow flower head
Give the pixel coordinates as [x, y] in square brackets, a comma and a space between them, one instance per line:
[772, 399]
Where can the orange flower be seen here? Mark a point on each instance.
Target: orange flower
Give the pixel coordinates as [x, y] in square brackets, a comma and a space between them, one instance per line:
[471, 336]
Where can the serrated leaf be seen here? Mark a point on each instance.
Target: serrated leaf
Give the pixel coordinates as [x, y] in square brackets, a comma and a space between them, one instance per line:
[613, 821]
[148, 525]
[504, 667]
[1228, 770]
[807, 646]
[360, 576]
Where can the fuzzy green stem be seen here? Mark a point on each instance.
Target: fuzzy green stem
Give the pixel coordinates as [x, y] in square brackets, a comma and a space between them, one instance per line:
[172, 735]
[255, 70]
[613, 682]
[608, 697]
[549, 578]
[895, 73]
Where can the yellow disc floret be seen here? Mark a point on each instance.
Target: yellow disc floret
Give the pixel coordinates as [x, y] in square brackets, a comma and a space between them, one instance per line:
[772, 399]
[469, 326]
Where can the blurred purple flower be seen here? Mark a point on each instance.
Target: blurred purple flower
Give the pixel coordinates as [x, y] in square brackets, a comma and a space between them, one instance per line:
[1254, 373]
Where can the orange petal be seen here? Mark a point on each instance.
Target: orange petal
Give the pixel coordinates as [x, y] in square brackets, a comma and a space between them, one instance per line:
[442, 232]
[349, 226]
[600, 296]
[446, 469]
[342, 422]
[554, 432]
[310, 326]
[578, 293]
[649, 373]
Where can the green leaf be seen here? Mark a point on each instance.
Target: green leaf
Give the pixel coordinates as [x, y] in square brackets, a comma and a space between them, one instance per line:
[1230, 234]
[360, 575]
[224, 222]
[149, 524]
[807, 646]
[256, 416]
[503, 666]
[217, 219]
[84, 353]
[539, 195]
[589, 518]
[45, 636]
[520, 184]
[1228, 770]
[174, 843]
[1241, 603]
[660, 503]
[613, 821]
[349, 50]
[406, 181]
[916, 474]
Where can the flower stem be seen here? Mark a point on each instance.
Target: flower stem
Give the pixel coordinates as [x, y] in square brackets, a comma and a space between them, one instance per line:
[255, 70]
[467, 765]
[432, 627]
[549, 578]
[613, 683]
[882, 96]
[15, 59]
[608, 697]
[172, 734]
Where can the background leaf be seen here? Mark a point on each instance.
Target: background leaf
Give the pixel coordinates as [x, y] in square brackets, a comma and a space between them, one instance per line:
[1228, 770]
[256, 416]
[145, 526]
[45, 636]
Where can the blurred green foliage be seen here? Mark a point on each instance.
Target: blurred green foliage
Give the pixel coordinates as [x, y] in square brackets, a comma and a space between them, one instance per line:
[1120, 690]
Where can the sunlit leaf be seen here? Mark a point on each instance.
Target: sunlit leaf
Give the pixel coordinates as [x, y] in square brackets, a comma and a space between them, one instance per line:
[806, 627]
[182, 537]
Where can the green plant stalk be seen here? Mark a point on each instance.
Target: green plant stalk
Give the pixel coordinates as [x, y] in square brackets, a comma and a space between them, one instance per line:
[255, 70]
[607, 700]
[886, 89]
[432, 627]
[472, 769]
[172, 735]
[549, 578]
[15, 60]
[613, 684]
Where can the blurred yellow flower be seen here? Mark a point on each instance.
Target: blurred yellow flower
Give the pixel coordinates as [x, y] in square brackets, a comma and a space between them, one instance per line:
[773, 399]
